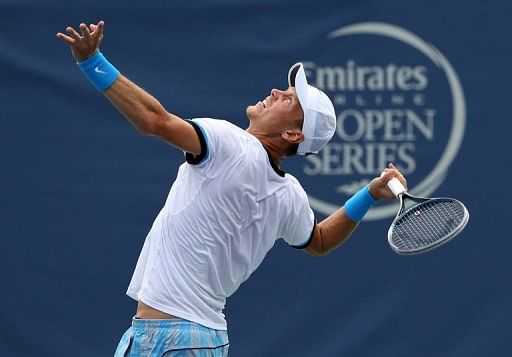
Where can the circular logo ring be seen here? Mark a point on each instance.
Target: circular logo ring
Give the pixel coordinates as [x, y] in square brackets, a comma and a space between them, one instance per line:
[433, 180]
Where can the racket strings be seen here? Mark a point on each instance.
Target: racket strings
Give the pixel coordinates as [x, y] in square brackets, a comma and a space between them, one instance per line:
[427, 224]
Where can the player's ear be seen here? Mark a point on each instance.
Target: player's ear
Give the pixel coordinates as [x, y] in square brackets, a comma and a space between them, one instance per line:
[293, 136]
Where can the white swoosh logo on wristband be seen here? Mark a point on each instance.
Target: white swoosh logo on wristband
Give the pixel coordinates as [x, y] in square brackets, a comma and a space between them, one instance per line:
[98, 70]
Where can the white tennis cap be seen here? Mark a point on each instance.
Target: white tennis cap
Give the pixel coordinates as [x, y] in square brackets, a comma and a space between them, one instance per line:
[319, 116]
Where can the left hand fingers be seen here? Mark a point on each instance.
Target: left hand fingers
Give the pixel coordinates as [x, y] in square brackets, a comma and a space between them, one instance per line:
[72, 33]
[97, 30]
[65, 38]
[85, 31]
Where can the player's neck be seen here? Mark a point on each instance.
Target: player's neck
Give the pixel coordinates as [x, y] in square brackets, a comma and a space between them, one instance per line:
[276, 155]
[275, 152]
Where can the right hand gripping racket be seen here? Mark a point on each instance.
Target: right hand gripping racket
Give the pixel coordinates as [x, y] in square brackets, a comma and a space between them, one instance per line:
[423, 224]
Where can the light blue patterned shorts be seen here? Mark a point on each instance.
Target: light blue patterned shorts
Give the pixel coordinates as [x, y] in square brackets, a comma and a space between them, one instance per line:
[176, 338]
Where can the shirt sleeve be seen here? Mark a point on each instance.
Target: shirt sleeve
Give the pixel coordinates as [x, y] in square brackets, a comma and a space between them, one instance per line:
[201, 134]
[299, 224]
[216, 138]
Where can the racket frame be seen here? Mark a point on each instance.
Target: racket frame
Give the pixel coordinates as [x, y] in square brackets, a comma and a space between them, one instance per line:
[401, 193]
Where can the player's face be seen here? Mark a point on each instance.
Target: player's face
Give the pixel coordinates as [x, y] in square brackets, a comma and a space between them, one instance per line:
[278, 112]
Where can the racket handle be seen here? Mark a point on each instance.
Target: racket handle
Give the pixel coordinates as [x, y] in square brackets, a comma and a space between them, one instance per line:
[396, 186]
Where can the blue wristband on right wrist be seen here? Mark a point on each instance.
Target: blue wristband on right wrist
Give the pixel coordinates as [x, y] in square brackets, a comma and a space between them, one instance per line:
[357, 206]
[99, 71]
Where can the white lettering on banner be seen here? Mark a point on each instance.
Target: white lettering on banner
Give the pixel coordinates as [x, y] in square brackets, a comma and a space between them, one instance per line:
[367, 159]
[417, 99]
[389, 124]
[384, 114]
[353, 77]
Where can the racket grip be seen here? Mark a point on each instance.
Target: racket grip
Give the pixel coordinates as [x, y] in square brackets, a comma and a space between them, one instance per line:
[396, 186]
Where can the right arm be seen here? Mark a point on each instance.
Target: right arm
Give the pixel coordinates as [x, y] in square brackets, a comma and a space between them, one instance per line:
[337, 228]
[139, 107]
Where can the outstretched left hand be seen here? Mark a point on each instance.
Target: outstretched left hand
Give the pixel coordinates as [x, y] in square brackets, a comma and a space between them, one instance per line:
[86, 44]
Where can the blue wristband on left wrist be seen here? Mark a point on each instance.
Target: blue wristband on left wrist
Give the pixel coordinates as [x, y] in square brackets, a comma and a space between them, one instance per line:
[99, 71]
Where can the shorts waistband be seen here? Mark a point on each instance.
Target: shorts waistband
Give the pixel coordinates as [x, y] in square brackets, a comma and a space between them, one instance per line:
[145, 324]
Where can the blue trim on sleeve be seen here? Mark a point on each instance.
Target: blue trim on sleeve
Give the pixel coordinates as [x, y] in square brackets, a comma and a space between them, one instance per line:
[203, 140]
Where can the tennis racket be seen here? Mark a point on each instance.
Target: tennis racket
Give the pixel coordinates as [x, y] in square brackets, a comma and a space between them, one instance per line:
[423, 224]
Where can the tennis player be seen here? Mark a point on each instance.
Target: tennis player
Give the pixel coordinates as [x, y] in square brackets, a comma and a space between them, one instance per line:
[228, 205]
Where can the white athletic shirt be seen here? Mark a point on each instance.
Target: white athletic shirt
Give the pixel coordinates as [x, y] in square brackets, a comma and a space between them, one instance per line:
[223, 214]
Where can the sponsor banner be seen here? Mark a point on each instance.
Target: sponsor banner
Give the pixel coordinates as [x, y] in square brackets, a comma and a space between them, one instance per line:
[397, 99]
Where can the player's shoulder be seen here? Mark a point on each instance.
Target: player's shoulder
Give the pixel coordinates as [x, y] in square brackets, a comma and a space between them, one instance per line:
[294, 182]
[293, 185]
[219, 124]
[223, 132]
[225, 142]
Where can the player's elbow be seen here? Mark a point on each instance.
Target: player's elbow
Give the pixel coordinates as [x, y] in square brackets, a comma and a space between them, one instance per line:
[316, 247]
[152, 124]
[315, 253]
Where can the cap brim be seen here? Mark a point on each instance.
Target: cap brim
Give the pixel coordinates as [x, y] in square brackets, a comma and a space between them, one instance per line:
[297, 79]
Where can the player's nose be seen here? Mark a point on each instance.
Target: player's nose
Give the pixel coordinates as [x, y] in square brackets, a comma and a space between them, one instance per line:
[275, 93]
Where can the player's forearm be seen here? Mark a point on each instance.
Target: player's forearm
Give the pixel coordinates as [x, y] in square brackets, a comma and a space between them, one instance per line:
[138, 106]
[334, 231]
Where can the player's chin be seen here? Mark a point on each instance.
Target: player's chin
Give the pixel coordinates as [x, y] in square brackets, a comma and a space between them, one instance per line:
[252, 111]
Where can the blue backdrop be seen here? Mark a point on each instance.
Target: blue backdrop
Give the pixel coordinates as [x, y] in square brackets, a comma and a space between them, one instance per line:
[421, 83]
